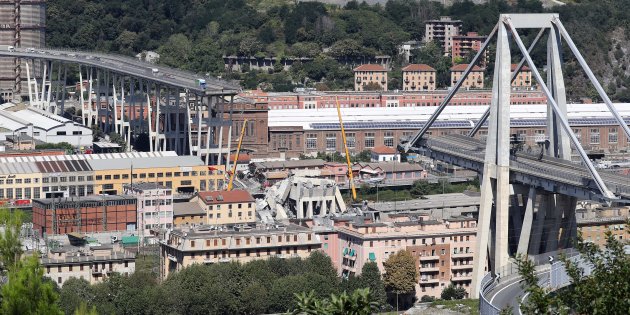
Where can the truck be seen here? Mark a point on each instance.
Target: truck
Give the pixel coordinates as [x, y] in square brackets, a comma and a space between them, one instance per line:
[201, 83]
[155, 71]
[7, 48]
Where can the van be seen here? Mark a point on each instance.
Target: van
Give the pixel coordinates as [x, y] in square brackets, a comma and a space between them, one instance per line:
[11, 48]
[155, 71]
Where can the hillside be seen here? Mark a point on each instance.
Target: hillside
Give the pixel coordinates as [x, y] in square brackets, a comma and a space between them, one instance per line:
[194, 34]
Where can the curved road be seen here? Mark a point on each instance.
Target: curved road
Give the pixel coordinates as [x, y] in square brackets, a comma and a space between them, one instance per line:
[511, 293]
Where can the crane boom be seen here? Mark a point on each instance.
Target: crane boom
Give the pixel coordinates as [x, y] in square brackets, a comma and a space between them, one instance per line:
[238, 150]
[345, 145]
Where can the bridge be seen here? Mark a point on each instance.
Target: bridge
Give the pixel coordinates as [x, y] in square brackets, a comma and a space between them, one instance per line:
[528, 200]
[179, 110]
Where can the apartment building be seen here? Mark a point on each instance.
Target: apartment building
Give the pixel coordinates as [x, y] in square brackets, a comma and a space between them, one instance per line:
[463, 45]
[189, 214]
[370, 76]
[155, 206]
[225, 207]
[442, 249]
[474, 80]
[442, 32]
[88, 214]
[418, 77]
[524, 77]
[184, 247]
[93, 264]
[595, 223]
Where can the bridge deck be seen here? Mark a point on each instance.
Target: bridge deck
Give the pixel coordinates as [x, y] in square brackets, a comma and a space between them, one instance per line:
[128, 66]
[472, 152]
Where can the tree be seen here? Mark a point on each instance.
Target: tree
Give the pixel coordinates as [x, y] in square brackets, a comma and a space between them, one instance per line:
[10, 245]
[142, 142]
[61, 145]
[452, 292]
[26, 292]
[400, 275]
[539, 301]
[75, 292]
[420, 188]
[360, 302]
[363, 156]
[373, 86]
[84, 310]
[370, 278]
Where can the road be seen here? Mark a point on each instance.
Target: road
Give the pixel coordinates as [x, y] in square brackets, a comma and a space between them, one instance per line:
[511, 293]
[128, 66]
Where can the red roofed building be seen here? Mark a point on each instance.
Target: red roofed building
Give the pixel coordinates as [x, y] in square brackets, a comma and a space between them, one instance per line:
[474, 79]
[524, 77]
[418, 77]
[464, 44]
[383, 153]
[370, 75]
[224, 207]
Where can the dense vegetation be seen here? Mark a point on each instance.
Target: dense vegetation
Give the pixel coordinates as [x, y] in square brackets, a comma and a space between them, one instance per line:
[194, 35]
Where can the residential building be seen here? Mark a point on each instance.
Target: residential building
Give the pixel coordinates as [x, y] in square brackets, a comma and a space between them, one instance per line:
[418, 77]
[93, 264]
[84, 214]
[370, 77]
[407, 47]
[442, 32]
[524, 77]
[383, 153]
[442, 249]
[23, 25]
[464, 45]
[155, 207]
[225, 207]
[189, 213]
[594, 223]
[474, 80]
[391, 172]
[185, 247]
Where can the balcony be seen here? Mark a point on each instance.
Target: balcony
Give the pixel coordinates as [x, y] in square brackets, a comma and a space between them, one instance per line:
[358, 80]
[429, 258]
[429, 269]
[96, 271]
[224, 260]
[429, 280]
[461, 278]
[461, 267]
[209, 261]
[462, 255]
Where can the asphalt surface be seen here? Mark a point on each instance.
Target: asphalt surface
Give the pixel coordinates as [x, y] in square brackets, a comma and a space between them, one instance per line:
[510, 293]
[128, 66]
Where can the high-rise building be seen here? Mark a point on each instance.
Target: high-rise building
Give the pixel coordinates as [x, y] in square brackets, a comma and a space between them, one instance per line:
[442, 32]
[22, 24]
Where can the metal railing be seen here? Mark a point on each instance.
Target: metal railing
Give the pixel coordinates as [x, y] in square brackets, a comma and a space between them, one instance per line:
[485, 307]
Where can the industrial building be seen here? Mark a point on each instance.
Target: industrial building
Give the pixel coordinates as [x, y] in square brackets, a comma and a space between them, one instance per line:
[32, 123]
[33, 177]
[202, 245]
[84, 214]
[22, 24]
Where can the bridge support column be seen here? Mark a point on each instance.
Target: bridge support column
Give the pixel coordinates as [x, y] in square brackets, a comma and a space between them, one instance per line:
[495, 186]
[526, 228]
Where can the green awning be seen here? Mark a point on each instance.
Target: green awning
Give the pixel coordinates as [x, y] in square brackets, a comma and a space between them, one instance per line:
[130, 240]
[372, 257]
[345, 251]
[351, 252]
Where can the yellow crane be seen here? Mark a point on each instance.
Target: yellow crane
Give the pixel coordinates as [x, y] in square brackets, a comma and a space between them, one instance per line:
[345, 145]
[238, 150]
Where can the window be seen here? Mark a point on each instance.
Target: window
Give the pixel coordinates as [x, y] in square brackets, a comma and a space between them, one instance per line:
[369, 139]
[331, 141]
[351, 139]
[311, 140]
[388, 138]
[594, 136]
[612, 135]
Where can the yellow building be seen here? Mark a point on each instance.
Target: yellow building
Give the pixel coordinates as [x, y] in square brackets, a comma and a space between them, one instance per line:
[524, 77]
[32, 177]
[474, 80]
[188, 214]
[370, 77]
[185, 247]
[228, 207]
[418, 77]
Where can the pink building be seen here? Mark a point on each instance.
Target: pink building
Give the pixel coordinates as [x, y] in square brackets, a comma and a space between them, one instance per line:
[155, 206]
[388, 171]
[443, 250]
[337, 172]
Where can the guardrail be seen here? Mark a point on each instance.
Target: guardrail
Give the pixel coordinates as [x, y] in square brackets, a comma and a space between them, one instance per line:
[485, 307]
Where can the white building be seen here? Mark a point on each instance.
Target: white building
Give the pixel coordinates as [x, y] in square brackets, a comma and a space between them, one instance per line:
[40, 125]
[155, 207]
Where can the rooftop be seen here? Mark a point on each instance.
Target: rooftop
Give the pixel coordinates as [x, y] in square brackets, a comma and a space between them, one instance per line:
[523, 68]
[389, 167]
[463, 66]
[290, 164]
[418, 67]
[187, 208]
[208, 232]
[381, 149]
[142, 186]
[370, 67]
[430, 202]
[224, 196]
[95, 198]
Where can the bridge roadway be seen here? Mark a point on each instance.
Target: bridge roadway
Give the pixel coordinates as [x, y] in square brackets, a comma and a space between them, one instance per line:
[551, 174]
[128, 66]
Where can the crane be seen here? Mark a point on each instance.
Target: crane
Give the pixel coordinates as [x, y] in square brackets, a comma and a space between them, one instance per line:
[238, 150]
[345, 145]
